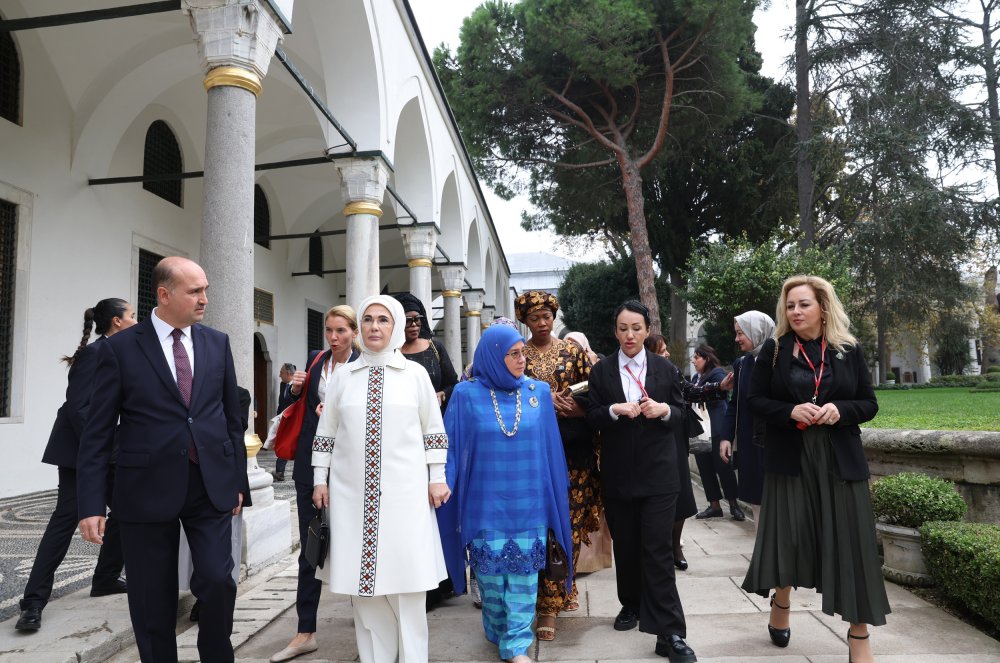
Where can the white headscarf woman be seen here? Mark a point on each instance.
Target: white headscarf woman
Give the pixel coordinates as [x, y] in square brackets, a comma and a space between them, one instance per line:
[756, 326]
[378, 462]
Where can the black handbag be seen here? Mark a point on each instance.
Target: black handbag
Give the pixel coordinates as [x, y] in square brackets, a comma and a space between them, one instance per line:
[556, 561]
[317, 540]
[692, 423]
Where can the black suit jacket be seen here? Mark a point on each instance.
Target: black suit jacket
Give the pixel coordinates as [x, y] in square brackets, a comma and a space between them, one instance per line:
[302, 471]
[64, 440]
[638, 456]
[771, 399]
[136, 393]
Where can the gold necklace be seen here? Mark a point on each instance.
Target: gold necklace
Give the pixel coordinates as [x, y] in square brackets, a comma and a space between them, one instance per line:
[517, 413]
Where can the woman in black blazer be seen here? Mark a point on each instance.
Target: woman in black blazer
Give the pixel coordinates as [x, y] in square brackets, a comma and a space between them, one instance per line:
[340, 326]
[636, 404]
[108, 317]
[812, 388]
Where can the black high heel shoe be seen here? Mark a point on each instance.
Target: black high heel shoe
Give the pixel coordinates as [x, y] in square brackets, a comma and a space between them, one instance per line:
[780, 636]
[850, 637]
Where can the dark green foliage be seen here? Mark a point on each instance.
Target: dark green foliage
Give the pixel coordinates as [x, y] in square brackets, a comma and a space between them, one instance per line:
[965, 380]
[591, 292]
[951, 336]
[993, 369]
[964, 559]
[910, 499]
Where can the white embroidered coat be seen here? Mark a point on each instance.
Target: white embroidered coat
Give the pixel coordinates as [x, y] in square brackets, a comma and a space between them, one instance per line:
[380, 428]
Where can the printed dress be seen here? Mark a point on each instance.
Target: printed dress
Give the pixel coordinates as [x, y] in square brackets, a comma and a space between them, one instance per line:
[564, 364]
[380, 428]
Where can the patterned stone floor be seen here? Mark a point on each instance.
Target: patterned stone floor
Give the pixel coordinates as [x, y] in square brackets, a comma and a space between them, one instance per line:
[22, 522]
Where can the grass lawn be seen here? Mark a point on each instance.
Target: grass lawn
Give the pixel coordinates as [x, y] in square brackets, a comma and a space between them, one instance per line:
[952, 408]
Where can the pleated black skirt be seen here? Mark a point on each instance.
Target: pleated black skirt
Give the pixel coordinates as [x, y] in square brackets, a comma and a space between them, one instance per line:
[818, 531]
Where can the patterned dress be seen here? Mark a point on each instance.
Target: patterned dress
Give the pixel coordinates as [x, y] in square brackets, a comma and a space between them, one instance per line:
[564, 364]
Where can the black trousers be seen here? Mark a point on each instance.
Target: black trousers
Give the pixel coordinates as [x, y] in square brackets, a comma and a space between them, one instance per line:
[309, 588]
[713, 471]
[57, 537]
[644, 561]
[151, 565]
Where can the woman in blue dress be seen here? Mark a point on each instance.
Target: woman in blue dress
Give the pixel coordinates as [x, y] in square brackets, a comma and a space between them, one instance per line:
[508, 476]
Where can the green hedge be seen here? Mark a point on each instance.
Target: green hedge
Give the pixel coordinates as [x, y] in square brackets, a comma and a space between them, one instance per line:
[964, 559]
[964, 380]
[910, 499]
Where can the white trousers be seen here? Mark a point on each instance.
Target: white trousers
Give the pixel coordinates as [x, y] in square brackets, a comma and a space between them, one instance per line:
[391, 628]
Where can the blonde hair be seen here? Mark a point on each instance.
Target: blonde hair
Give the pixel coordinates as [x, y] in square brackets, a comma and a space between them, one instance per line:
[836, 324]
[347, 313]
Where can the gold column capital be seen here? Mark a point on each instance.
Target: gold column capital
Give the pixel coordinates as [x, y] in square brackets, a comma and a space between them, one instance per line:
[473, 314]
[233, 77]
[451, 293]
[419, 262]
[363, 207]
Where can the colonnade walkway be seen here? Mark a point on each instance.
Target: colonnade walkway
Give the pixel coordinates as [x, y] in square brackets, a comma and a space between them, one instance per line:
[724, 623]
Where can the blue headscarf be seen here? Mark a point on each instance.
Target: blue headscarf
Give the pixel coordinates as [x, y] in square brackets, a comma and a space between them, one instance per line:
[494, 345]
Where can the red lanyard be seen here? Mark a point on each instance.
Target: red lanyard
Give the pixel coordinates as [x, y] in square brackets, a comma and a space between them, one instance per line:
[641, 388]
[816, 376]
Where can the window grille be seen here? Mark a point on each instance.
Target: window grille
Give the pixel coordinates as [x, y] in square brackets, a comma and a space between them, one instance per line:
[8, 271]
[146, 294]
[10, 79]
[162, 156]
[261, 217]
[314, 330]
[316, 255]
[263, 306]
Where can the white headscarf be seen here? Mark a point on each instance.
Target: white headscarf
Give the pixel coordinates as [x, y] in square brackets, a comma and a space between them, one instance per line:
[756, 326]
[396, 339]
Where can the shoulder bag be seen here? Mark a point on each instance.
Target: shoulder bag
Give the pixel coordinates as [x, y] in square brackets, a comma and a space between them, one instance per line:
[286, 434]
[556, 562]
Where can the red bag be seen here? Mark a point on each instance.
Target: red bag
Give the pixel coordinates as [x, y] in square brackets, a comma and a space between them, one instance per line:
[286, 440]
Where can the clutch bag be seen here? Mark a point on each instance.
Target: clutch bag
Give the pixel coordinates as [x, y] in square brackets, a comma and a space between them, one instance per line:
[317, 540]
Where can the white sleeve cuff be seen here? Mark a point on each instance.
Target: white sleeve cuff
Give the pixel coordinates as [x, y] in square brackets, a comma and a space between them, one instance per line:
[611, 411]
[435, 472]
[320, 475]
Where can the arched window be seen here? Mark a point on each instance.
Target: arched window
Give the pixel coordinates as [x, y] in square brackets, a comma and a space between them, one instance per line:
[10, 79]
[316, 255]
[261, 217]
[162, 156]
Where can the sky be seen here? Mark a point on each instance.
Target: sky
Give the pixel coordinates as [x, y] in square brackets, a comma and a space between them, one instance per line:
[440, 21]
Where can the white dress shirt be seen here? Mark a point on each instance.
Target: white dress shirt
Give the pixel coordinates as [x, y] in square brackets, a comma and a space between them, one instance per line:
[164, 333]
[633, 392]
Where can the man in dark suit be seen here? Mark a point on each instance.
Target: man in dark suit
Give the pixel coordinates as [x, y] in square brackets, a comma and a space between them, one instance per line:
[168, 386]
[637, 404]
[285, 374]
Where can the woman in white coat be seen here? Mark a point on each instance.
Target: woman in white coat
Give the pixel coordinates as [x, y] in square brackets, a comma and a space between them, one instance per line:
[379, 465]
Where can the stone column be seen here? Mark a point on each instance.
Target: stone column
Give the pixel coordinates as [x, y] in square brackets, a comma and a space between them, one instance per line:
[236, 39]
[923, 372]
[419, 243]
[473, 319]
[362, 184]
[453, 277]
[489, 313]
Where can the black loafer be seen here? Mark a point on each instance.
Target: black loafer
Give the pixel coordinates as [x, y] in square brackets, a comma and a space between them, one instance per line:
[626, 620]
[737, 513]
[674, 648]
[681, 564]
[710, 513]
[117, 587]
[30, 620]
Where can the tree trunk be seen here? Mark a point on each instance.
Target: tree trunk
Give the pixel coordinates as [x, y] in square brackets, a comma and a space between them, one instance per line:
[632, 183]
[803, 119]
[990, 342]
[992, 81]
[881, 323]
[678, 312]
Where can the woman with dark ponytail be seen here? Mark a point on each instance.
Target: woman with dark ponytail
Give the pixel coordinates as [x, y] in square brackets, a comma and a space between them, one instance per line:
[108, 317]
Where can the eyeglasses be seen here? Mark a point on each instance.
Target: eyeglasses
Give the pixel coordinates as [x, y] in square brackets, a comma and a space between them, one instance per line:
[516, 354]
[414, 320]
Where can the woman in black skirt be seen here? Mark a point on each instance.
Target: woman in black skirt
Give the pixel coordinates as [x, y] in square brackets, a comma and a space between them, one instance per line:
[812, 388]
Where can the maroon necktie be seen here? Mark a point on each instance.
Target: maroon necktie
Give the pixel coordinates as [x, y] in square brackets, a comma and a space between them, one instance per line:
[182, 365]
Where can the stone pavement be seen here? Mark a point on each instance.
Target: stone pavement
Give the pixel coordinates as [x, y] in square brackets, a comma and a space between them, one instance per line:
[724, 623]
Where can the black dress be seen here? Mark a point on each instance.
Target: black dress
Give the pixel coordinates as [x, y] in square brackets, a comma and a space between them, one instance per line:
[439, 367]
